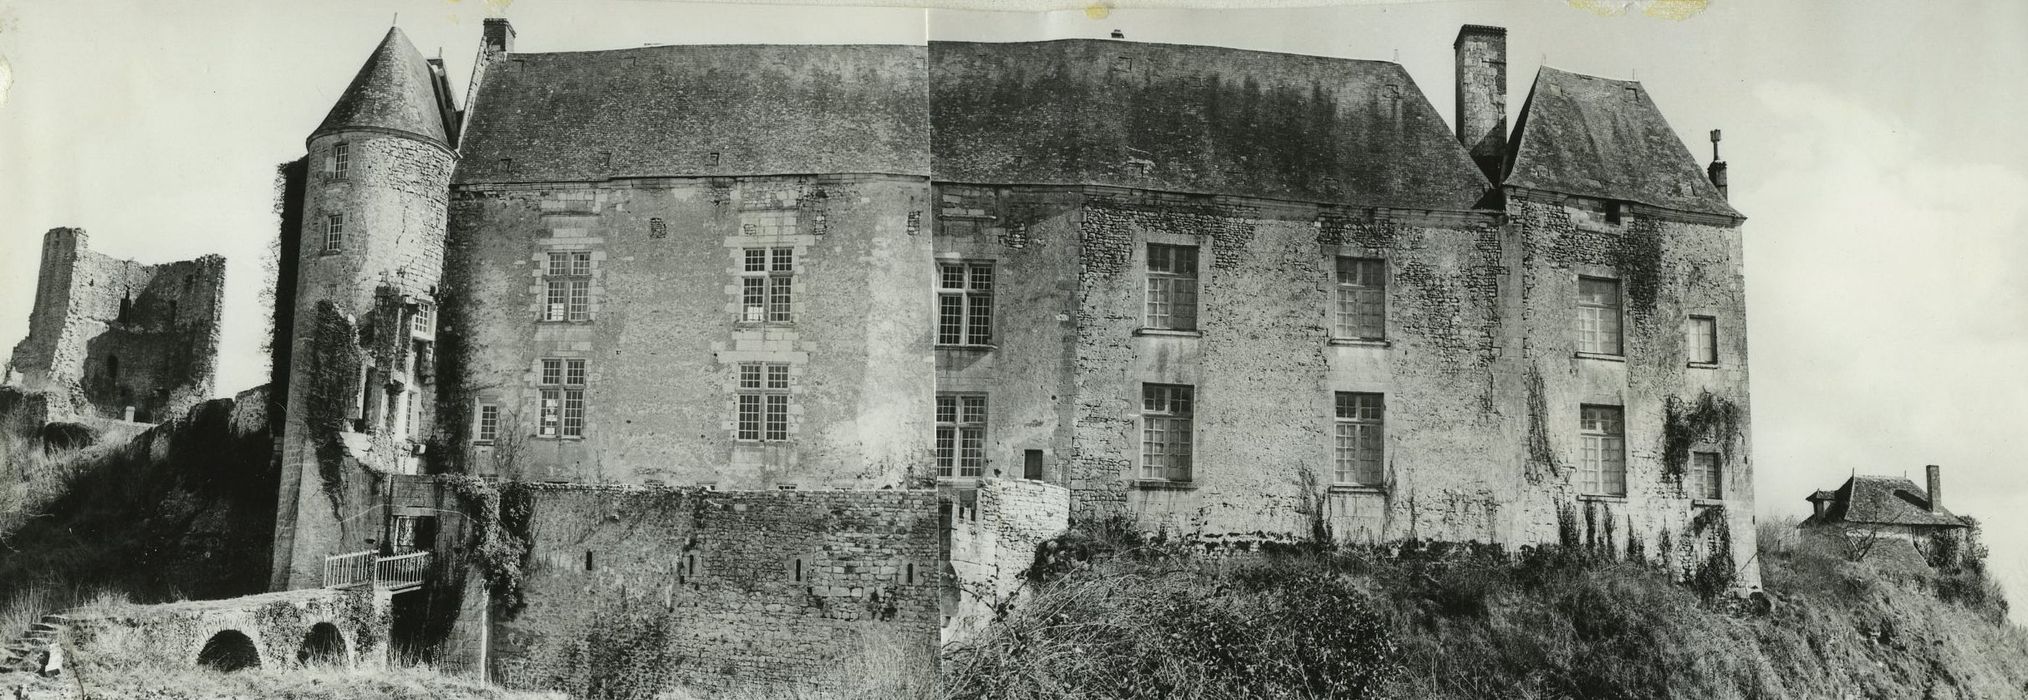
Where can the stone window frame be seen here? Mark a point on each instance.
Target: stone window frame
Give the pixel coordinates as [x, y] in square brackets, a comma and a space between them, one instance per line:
[341, 161]
[1700, 338]
[1173, 275]
[566, 286]
[1702, 482]
[560, 387]
[961, 434]
[767, 285]
[1359, 439]
[1168, 432]
[1602, 450]
[761, 411]
[485, 423]
[1598, 320]
[1349, 293]
[334, 233]
[971, 298]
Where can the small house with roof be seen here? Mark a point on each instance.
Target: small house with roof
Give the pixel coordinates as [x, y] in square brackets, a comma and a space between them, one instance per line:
[1886, 505]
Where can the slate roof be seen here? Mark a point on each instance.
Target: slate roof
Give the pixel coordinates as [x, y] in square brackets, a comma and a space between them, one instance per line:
[395, 90]
[1883, 500]
[1603, 138]
[662, 111]
[1196, 119]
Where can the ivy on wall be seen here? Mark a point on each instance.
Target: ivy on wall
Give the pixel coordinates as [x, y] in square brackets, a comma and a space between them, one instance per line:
[500, 539]
[1711, 418]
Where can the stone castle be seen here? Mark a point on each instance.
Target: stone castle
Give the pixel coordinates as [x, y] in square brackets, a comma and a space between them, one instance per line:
[779, 349]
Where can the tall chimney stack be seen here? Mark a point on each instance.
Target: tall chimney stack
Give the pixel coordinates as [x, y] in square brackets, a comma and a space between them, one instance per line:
[1717, 170]
[1482, 95]
[498, 36]
[1935, 489]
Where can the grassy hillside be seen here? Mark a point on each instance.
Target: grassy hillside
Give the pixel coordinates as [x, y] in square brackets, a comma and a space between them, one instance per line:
[1149, 620]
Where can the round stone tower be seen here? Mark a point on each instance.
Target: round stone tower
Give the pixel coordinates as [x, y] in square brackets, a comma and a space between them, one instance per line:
[370, 255]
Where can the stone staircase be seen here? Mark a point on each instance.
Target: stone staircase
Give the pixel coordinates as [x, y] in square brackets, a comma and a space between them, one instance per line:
[25, 653]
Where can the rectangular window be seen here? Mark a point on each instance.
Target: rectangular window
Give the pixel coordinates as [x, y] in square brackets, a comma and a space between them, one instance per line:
[1360, 425]
[964, 303]
[1703, 340]
[961, 435]
[488, 429]
[763, 402]
[562, 387]
[1602, 466]
[767, 284]
[568, 287]
[341, 161]
[1362, 299]
[1166, 411]
[424, 322]
[1598, 316]
[1172, 287]
[1704, 476]
[334, 233]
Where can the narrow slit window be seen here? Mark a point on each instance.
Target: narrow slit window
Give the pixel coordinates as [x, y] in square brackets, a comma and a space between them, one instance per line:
[334, 233]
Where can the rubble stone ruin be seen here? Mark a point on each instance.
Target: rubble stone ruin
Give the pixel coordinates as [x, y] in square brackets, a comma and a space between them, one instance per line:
[113, 338]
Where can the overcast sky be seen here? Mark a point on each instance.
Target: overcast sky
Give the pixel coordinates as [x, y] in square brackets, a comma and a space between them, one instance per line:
[1875, 147]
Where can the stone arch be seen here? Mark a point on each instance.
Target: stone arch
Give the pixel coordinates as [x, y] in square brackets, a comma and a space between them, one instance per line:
[323, 645]
[228, 651]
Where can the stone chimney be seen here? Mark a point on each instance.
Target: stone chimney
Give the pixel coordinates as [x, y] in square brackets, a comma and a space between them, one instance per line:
[499, 36]
[1717, 170]
[1935, 489]
[1482, 95]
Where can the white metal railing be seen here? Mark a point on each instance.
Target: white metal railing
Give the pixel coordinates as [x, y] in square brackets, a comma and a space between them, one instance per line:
[401, 570]
[352, 569]
[363, 568]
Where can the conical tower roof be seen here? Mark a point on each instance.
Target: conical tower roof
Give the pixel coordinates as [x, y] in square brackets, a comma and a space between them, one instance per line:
[394, 91]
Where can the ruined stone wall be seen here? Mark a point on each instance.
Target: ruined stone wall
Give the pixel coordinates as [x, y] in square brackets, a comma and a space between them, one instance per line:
[649, 588]
[360, 375]
[108, 334]
[665, 332]
[993, 531]
[1668, 270]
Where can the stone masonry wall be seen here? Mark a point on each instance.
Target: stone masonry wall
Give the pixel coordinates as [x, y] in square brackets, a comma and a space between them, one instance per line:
[278, 624]
[651, 588]
[665, 333]
[108, 334]
[360, 375]
[993, 532]
[1668, 270]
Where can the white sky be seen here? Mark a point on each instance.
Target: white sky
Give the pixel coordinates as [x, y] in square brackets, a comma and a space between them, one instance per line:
[1873, 145]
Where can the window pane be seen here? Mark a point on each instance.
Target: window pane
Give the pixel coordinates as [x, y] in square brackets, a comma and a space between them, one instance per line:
[1183, 309]
[580, 264]
[784, 260]
[558, 300]
[573, 372]
[778, 299]
[972, 452]
[559, 264]
[778, 417]
[778, 376]
[974, 409]
[950, 319]
[580, 300]
[947, 450]
[979, 321]
[573, 413]
[750, 375]
[753, 299]
[552, 372]
[951, 276]
[947, 409]
[756, 260]
[749, 417]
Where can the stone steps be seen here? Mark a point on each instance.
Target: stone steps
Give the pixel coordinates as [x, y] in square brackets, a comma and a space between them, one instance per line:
[24, 653]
